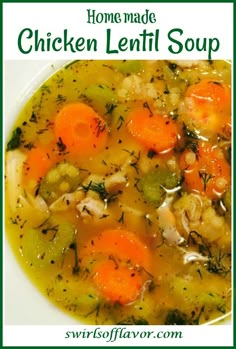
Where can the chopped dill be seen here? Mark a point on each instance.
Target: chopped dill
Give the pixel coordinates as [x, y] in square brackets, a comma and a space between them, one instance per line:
[205, 178]
[120, 122]
[110, 107]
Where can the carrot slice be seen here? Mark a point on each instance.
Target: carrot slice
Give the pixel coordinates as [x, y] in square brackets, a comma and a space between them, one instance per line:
[123, 245]
[153, 131]
[206, 171]
[208, 103]
[81, 129]
[117, 284]
[38, 163]
[123, 264]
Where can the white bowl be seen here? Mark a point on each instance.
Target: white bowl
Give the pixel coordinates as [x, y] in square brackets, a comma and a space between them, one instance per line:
[26, 306]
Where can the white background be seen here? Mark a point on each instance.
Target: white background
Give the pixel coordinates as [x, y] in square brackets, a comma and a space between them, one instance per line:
[203, 20]
[23, 306]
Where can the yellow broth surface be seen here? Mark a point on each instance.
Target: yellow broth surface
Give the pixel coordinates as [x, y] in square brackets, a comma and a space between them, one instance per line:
[118, 191]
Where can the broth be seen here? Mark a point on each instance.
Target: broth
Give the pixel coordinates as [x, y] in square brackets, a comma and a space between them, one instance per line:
[118, 191]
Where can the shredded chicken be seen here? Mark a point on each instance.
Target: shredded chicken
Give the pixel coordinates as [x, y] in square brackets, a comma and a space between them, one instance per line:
[67, 201]
[167, 224]
[21, 201]
[195, 212]
[92, 208]
[14, 170]
[110, 182]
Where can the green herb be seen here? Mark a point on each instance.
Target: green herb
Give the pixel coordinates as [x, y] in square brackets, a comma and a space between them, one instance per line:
[42, 224]
[101, 190]
[97, 188]
[60, 99]
[176, 317]
[196, 239]
[205, 178]
[221, 308]
[199, 272]
[121, 219]
[95, 310]
[85, 209]
[104, 216]
[151, 153]
[14, 220]
[15, 140]
[110, 107]
[76, 267]
[166, 92]
[104, 162]
[135, 166]
[52, 229]
[137, 180]
[193, 146]
[136, 157]
[41, 131]
[112, 258]
[45, 88]
[100, 127]
[59, 80]
[22, 225]
[61, 145]
[218, 264]
[133, 321]
[120, 122]
[174, 114]
[29, 145]
[195, 321]
[215, 82]
[146, 105]
[33, 117]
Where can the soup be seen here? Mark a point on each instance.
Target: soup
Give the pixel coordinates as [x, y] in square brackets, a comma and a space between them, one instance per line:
[118, 191]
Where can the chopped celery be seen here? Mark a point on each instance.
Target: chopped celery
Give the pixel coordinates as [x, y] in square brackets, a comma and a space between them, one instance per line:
[102, 97]
[47, 244]
[61, 179]
[154, 183]
[119, 116]
[194, 295]
[128, 67]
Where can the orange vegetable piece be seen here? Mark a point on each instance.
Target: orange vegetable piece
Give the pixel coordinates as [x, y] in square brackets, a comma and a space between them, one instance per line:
[206, 171]
[153, 131]
[123, 265]
[121, 244]
[81, 129]
[208, 103]
[117, 284]
[38, 163]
